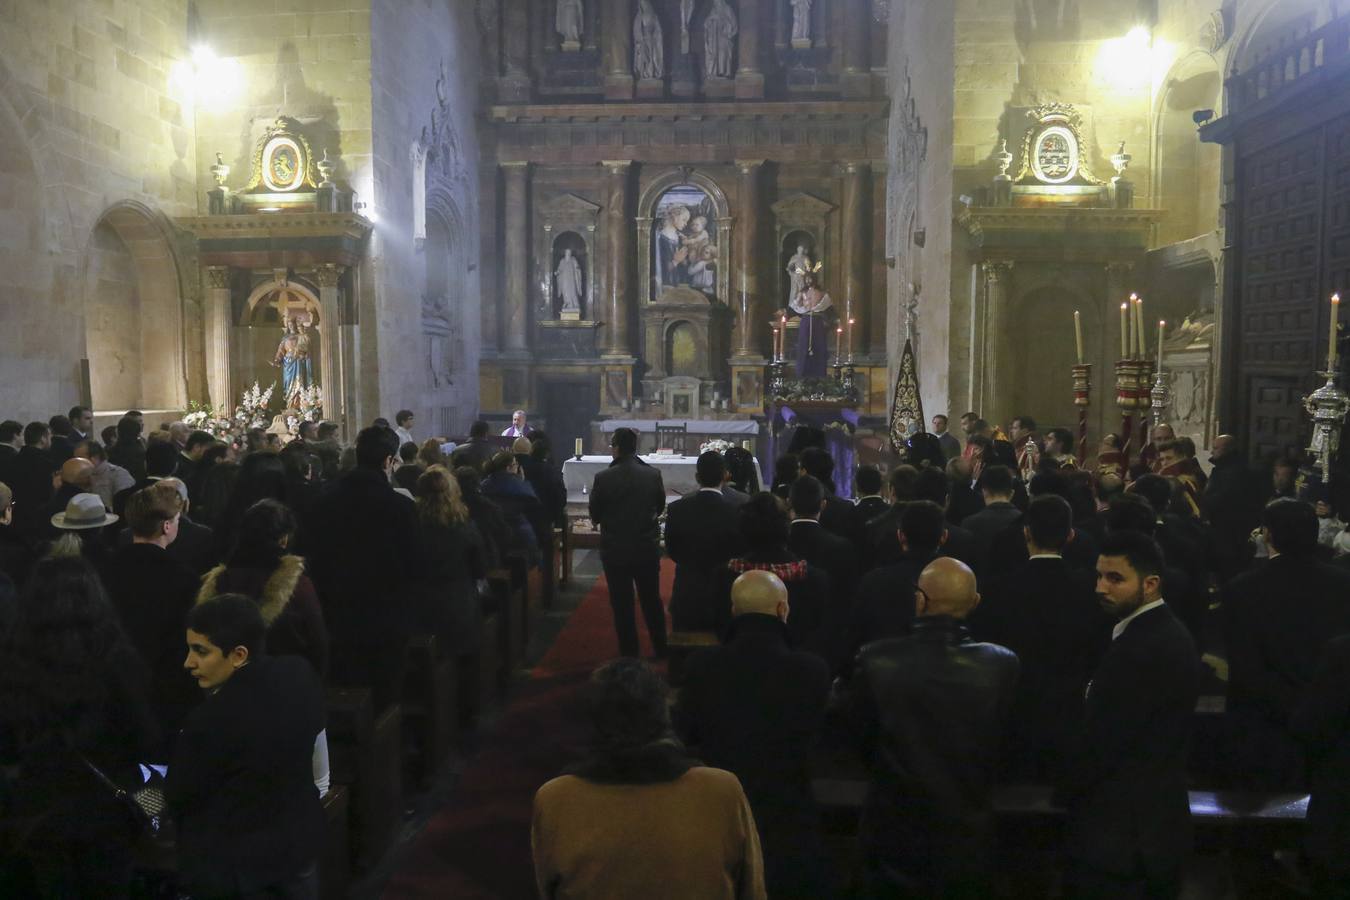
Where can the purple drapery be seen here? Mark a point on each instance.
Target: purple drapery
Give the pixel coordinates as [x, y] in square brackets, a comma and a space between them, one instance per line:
[838, 440]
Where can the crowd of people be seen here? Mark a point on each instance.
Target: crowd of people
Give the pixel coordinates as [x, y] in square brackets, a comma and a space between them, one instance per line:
[989, 612]
[170, 602]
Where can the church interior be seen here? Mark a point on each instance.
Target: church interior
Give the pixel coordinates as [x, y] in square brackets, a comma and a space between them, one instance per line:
[715, 223]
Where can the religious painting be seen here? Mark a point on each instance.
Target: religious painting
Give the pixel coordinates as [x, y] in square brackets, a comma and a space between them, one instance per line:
[684, 241]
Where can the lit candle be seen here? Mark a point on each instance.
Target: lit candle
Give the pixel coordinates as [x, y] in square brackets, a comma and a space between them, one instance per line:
[1331, 338]
[745, 445]
[1139, 327]
[578, 448]
[1161, 325]
[1124, 331]
[850, 339]
[1078, 335]
[839, 344]
[775, 344]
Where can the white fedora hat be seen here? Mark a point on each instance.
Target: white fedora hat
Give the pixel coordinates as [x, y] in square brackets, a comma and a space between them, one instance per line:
[84, 511]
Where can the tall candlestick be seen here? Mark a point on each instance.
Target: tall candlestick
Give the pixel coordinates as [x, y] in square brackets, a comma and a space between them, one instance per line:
[578, 448]
[1124, 332]
[1161, 325]
[782, 336]
[850, 339]
[839, 344]
[1331, 338]
[1139, 332]
[775, 344]
[1078, 335]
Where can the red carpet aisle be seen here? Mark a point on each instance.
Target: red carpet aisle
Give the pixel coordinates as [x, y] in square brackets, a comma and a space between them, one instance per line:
[479, 845]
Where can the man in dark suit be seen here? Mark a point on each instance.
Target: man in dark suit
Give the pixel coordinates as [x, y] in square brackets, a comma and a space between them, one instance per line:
[63, 441]
[756, 707]
[1277, 620]
[701, 535]
[11, 439]
[811, 541]
[240, 784]
[928, 708]
[1008, 551]
[1046, 612]
[996, 487]
[837, 514]
[32, 479]
[870, 503]
[881, 546]
[1321, 721]
[884, 605]
[1129, 829]
[625, 501]
[479, 449]
[364, 560]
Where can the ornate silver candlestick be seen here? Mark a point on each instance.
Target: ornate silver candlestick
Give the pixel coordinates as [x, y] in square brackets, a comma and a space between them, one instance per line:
[1328, 406]
[1160, 398]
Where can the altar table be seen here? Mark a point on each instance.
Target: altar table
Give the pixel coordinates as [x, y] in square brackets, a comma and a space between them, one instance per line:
[677, 472]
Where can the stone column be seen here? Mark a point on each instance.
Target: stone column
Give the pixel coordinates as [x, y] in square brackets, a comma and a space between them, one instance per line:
[219, 320]
[617, 48]
[997, 277]
[618, 224]
[855, 80]
[516, 255]
[330, 344]
[749, 76]
[750, 312]
[857, 246]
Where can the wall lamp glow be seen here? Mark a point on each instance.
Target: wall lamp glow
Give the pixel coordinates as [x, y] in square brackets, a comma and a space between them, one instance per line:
[205, 79]
[1127, 62]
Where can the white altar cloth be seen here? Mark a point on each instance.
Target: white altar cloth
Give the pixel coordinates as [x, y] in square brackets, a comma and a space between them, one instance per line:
[693, 426]
[677, 472]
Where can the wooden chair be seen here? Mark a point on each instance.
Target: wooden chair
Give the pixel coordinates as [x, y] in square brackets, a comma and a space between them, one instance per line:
[672, 436]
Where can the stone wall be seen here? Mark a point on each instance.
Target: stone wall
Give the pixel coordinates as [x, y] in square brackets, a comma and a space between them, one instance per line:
[89, 117]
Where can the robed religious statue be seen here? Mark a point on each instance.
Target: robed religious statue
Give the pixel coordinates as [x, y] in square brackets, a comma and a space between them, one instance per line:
[798, 266]
[568, 279]
[649, 55]
[567, 21]
[719, 40]
[297, 372]
[815, 318]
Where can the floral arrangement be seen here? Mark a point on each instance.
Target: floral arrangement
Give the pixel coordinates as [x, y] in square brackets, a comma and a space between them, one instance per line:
[816, 389]
[310, 401]
[252, 409]
[201, 417]
[717, 444]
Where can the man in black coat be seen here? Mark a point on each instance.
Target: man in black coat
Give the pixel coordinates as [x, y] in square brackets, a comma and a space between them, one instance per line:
[364, 559]
[1321, 721]
[479, 449]
[870, 503]
[1129, 829]
[813, 542]
[32, 479]
[837, 514]
[152, 593]
[241, 785]
[1047, 613]
[996, 487]
[929, 707]
[1231, 504]
[701, 535]
[625, 501]
[884, 605]
[1277, 621]
[756, 707]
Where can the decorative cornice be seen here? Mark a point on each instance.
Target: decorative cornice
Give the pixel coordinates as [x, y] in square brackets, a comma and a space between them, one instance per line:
[277, 225]
[981, 221]
[627, 112]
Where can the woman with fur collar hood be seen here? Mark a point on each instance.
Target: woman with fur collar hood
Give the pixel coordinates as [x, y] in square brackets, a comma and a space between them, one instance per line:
[259, 567]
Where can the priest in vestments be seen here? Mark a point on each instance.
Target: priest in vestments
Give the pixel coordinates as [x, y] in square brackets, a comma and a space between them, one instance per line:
[815, 318]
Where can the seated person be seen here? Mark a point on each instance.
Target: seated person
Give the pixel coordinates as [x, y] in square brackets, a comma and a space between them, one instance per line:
[637, 818]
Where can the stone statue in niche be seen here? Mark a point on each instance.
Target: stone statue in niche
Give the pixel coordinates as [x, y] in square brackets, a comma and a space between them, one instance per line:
[649, 55]
[719, 40]
[686, 13]
[568, 279]
[801, 24]
[567, 22]
[798, 267]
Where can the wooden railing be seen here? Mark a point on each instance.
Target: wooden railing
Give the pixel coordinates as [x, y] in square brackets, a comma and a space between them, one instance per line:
[1286, 65]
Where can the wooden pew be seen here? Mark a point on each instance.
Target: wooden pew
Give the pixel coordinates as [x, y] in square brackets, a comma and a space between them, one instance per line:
[335, 866]
[364, 753]
[480, 677]
[430, 703]
[509, 602]
[681, 645]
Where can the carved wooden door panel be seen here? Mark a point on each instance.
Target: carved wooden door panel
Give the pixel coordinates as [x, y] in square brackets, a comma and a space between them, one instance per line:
[1274, 423]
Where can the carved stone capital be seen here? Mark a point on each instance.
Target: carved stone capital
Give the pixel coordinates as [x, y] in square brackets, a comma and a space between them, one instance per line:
[855, 168]
[328, 275]
[996, 271]
[749, 166]
[617, 166]
[1119, 270]
[218, 277]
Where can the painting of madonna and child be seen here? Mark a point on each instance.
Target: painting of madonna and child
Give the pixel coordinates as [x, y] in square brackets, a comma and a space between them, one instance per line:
[685, 244]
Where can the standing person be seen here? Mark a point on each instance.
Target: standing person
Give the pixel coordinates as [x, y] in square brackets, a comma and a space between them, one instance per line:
[16, 554]
[951, 447]
[477, 451]
[456, 561]
[32, 479]
[1129, 828]
[403, 424]
[241, 782]
[701, 535]
[928, 708]
[637, 817]
[72, 693]
[81, 423]
[626, 500]
[129, 451]
[108, 479]
[756, 707]
[518, 428]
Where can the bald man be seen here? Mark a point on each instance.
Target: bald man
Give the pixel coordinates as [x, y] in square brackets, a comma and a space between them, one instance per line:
[755, 706]
[929, 708]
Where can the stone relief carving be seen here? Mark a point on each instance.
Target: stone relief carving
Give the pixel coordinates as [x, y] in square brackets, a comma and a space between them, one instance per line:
[909, 147]
[649, 60]
[719, 40]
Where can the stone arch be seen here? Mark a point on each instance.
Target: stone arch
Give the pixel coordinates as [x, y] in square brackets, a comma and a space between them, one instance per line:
[255, 312]
[1187, 172]
[647, 202]
[133, 312]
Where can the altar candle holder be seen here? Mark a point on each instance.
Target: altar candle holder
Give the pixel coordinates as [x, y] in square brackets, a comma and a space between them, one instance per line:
[1160, 398]
[1143, 398]
[848, 381]
[777, 378]
[1328, 406]
[1129, 389]
[1082, 398]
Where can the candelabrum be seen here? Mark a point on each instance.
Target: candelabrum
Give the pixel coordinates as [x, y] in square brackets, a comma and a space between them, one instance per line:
[848, 380]
[1328, 406]
[777, 377]
[1160, 398]
[1082, 398]
[1132, 377]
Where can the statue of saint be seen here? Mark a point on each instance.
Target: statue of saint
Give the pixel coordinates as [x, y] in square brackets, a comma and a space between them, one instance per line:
[649, 55]
[292, 356]
[801, 22]
[719, 40]
[815, 316]
[797, 268]
[686, 13]
[568, 280]
[567, 21]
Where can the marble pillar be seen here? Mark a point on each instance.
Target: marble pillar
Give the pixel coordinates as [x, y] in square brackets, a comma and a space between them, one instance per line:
[219, 321]
[615, 341]
[856, 79]
[749, 76]
[617, 49]
[516, 255]
[857, 251]
[751, 310]
[992, 395]
[330, 343]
